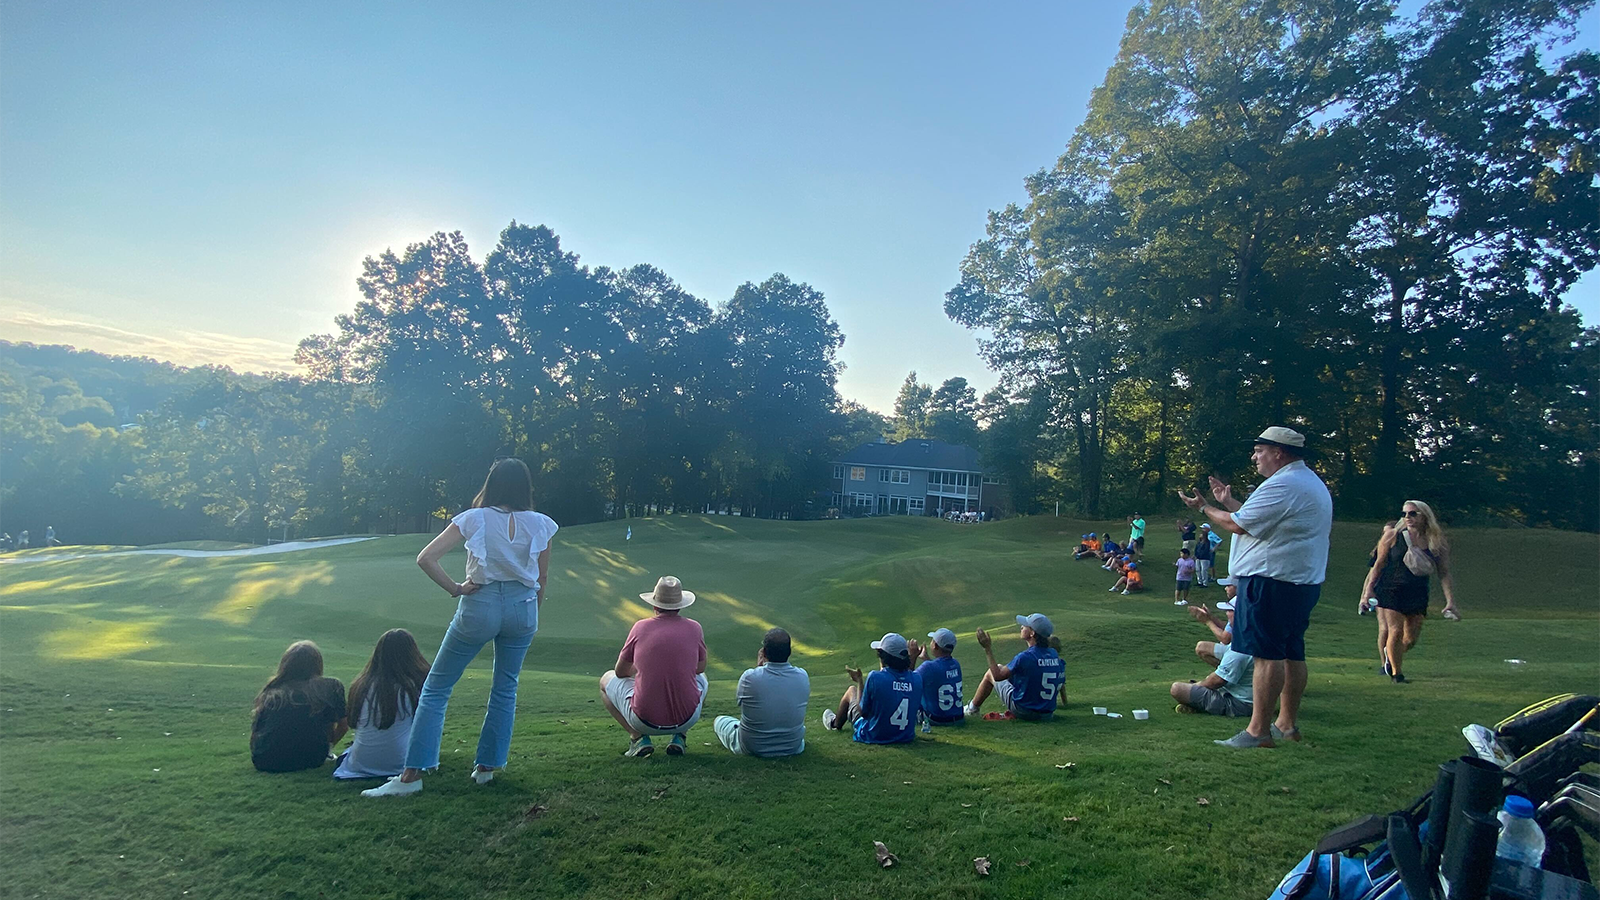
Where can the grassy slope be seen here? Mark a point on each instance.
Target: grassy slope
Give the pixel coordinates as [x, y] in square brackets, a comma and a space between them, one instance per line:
[101, 659]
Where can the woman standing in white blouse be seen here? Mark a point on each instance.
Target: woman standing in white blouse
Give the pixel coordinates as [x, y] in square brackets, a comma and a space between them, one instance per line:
[508, 558]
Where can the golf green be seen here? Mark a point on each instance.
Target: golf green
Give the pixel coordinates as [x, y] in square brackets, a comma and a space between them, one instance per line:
[126, 682]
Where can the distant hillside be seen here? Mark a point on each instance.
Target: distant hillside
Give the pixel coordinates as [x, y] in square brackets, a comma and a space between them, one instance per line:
[124, 386]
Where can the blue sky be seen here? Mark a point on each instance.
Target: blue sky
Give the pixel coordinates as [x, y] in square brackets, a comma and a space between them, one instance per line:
[199, 182]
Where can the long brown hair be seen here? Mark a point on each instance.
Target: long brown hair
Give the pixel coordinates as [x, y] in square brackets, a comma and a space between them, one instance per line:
[299, 664]
[393, 678]
[508, 486]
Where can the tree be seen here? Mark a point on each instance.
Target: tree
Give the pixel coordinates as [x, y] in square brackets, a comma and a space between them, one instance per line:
[911, 409]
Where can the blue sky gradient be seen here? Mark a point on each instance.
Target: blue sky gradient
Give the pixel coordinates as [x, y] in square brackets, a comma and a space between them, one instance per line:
[200, 181]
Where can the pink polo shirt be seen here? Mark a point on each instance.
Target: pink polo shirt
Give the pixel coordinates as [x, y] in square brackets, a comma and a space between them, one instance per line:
[667, 651]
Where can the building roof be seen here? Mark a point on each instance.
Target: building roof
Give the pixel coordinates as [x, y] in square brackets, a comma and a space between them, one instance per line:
[917, 453]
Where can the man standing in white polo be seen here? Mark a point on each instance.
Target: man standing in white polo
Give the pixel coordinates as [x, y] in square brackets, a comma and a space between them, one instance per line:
[1278, 563]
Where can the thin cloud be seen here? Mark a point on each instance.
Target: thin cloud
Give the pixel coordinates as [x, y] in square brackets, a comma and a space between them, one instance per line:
[182, 347]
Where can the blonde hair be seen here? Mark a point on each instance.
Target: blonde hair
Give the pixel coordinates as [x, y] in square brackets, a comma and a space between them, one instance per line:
[1428, 533]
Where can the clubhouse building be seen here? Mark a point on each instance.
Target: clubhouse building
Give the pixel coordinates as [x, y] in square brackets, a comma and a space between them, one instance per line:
[918, 477]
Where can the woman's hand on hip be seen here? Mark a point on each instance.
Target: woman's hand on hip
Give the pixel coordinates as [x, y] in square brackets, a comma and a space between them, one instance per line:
[465, 588]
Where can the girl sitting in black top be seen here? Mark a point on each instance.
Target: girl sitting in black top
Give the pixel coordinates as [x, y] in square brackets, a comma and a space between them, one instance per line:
[298, 715]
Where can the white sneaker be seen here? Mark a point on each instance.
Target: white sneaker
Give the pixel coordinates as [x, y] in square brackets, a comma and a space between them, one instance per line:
[1124, 593]
[1113, 590]
[830, 720]
[394, 787]
[1180, 603]
[968, 710]
[481, 776]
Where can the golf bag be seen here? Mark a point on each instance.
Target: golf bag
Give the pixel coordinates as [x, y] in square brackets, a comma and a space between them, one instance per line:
[1372, 858]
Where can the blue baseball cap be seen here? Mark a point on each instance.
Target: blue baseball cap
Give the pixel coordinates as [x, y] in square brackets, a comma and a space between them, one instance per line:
[1132, 566]
[892, 644]
[1039, 623]
[944, 637]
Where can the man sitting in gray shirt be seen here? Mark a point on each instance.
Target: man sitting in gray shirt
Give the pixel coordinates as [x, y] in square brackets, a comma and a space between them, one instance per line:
[772, 704]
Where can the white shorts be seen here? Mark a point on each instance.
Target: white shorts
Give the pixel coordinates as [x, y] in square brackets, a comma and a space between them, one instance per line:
[620, 692]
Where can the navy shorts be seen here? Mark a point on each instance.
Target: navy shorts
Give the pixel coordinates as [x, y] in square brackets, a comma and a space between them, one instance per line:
[1270, 617]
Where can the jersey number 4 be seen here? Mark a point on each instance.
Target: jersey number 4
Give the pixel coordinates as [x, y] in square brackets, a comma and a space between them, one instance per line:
[902, 715]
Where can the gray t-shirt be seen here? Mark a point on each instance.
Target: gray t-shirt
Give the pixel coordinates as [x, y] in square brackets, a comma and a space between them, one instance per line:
[1238, 672]
[772, 709]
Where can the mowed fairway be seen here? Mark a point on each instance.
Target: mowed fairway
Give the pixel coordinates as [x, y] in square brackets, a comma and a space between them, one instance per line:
[127, 681]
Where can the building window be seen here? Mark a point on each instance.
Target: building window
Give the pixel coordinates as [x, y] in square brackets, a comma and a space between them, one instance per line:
[918, 506]
[858, 473]
[838, 473]
[990, 479]
[895, 476]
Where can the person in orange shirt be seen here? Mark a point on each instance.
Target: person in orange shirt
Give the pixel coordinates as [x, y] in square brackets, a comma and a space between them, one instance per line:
[1131, 582]
[1089, 547]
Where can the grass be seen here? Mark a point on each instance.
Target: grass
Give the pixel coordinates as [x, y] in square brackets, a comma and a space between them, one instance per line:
[125, 686]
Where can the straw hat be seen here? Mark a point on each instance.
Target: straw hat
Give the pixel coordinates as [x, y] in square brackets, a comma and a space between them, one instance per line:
[669, 594]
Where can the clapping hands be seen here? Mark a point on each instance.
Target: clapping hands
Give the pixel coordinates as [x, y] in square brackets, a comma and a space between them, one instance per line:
[983, 638]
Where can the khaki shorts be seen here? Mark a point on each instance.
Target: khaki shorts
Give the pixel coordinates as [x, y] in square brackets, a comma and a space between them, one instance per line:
[620, 692]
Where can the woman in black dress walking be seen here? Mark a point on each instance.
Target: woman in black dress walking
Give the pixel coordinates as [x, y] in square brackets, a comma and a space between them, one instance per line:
[1409, 552]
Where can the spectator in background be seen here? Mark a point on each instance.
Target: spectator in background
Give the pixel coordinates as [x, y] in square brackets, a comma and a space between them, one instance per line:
[1185, 566]
[22, 539]
[1408, 552]
[1204, 552]
[1279, 564]
[1110, 552]
[1136, 531]
[659, 684]
[772, 701]
[1186, 534]
[1131, 581]
[50, 536]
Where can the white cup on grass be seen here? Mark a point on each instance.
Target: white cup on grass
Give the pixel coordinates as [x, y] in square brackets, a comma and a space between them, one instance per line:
[1099, 710]
[1141, 714]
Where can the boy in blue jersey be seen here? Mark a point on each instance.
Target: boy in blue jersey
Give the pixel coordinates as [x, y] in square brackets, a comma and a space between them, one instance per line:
[1031, 685]
[883, 706]
[941, 680]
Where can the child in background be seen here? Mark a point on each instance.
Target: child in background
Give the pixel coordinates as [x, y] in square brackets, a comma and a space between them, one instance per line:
[1185, 565]
[1089, 547]
[1131, 581]
[1109, 551]
[1204, 553]
[382, 705]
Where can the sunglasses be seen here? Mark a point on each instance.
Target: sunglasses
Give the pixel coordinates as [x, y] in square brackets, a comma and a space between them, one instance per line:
[1412, 514]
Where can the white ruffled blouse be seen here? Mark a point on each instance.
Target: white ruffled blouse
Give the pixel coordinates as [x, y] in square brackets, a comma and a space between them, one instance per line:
[505, 546]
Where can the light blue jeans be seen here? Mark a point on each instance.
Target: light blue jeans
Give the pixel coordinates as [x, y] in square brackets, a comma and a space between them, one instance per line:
[500, 611]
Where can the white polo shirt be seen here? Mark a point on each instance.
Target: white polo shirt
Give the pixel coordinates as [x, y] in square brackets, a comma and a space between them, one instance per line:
[1289, 519]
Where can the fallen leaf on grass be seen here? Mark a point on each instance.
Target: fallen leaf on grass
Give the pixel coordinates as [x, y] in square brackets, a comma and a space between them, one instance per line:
[659, 794]
[1069, 818]
[1023, 863]
[885, 858]
[905, 782]
[1284, 789]
[562, 721]
[535, 811]
[966, 806]
[1068, 766]
[1203, 802]
[982, 865]
[1165, 782]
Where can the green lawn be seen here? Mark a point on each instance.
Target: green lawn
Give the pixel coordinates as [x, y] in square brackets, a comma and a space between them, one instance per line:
[125, 688]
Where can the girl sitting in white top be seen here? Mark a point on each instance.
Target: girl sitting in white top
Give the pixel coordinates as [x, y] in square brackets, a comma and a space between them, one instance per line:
[382, 702]
[508, 559]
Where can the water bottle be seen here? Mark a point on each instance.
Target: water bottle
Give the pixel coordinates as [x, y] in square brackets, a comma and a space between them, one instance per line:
[1521, 840]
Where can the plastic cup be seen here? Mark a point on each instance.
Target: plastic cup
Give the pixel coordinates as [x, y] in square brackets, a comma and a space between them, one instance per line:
[1099, 710]
[1141, 714]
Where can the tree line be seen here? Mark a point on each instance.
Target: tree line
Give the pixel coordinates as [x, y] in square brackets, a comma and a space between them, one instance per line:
[622, 391]
[1311, 212]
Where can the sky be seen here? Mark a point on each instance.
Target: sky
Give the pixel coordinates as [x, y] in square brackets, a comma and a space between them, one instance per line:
[199, 182]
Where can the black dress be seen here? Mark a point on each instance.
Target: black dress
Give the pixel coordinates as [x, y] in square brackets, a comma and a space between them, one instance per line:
[1398, 589]
[294, 735]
